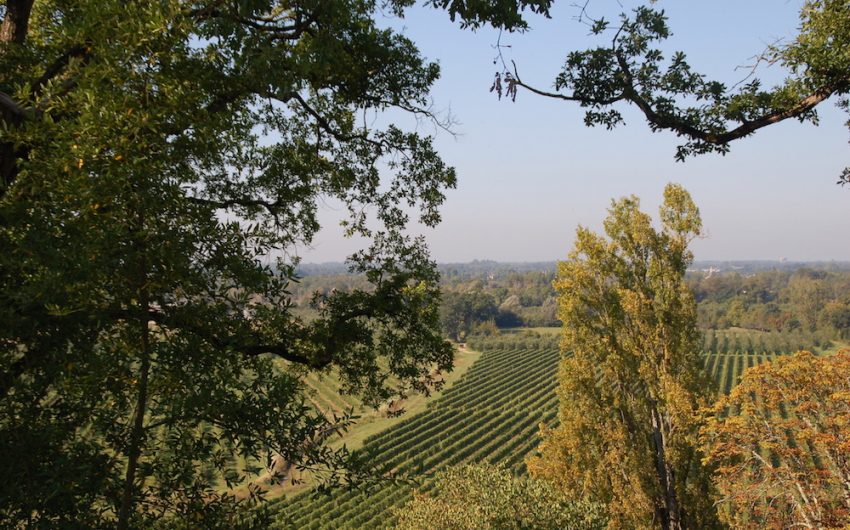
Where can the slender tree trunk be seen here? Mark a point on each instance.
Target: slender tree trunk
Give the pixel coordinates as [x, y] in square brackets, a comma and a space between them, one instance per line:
[671, 517]
[137, 435]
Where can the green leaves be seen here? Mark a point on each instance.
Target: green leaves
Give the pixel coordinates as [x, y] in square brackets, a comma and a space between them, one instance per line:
[505, 14]
[629, 66]
[155, 194]
[490, 497]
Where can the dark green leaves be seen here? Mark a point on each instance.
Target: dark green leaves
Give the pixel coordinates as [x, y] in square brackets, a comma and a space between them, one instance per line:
[164, 174]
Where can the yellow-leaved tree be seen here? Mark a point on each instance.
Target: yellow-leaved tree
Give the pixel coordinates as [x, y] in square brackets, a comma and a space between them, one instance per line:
[631, 383]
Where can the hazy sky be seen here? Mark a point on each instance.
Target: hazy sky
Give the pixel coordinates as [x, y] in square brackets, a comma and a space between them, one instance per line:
[529, 172]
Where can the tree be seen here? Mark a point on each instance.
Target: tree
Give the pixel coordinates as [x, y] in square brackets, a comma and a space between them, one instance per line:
[460, 313]
[487, 497]
[631, 68]
[780, 444]
[806, 295]
[631, 389]
[837, 315]
[160, 165]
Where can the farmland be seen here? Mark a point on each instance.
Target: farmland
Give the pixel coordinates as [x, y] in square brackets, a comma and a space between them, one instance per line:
[491, 414]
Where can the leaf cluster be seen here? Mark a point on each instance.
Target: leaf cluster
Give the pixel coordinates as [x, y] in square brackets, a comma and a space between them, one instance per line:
[161, 165]
[630, 67]
[779, 442]
[490, 497]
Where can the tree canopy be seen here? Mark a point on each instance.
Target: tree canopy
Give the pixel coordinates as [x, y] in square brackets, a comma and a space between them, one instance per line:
[485, 497]
[630, 67]
[161, 164]
[780, 444]
[631, 383]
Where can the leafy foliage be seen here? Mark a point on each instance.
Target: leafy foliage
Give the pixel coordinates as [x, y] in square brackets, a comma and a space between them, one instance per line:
[630, 392]
[780, 444]
[488, 497]
[155, 159]
[672, 95]
[464, 313]
[803, 300]
[506, 14]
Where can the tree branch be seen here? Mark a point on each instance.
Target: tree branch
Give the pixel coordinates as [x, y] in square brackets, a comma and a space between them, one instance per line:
[746, 128]
[804, 105]
[16, 22]
[11, 111]
[630, 93]
[272, 207]
[80, 51]
[555, 95]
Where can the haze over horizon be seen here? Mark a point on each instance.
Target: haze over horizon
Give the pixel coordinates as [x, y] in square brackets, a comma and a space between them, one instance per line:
[529, 172]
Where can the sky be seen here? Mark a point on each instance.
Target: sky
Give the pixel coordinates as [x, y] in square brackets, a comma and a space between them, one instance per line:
[530, 172]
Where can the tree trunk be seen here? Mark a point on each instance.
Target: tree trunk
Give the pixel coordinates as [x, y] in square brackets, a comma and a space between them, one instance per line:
[13, 30]
[134, 450]
[670, 516]
[16, 23]
[137, 435]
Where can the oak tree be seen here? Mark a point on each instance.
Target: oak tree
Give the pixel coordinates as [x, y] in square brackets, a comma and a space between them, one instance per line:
[161, 165]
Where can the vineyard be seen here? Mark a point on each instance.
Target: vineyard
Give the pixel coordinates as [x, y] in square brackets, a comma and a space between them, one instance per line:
[491, 414]
[753, 341]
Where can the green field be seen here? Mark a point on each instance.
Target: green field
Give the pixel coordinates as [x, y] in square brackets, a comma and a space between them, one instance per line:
[491, 414]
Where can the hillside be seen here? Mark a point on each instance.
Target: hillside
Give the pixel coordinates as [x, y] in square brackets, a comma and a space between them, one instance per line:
[491, 415]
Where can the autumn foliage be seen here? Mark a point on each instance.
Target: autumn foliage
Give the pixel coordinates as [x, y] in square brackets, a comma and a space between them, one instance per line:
[632, 386]
[781, 444]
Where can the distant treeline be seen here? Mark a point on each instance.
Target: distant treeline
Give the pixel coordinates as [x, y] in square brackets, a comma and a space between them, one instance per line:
[487, 267]
[482, 297]
[806, 299]
[781, 300]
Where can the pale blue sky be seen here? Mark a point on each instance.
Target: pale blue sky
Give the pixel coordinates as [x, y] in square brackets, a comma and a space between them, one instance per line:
[529, 172]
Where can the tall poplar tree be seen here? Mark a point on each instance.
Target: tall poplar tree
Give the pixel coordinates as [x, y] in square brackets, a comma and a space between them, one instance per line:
[631, 382]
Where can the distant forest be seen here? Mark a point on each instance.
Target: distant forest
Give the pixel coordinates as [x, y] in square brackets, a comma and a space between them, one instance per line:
[482, 297]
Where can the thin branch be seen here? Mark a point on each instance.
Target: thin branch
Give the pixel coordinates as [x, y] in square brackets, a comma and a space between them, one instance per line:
[555, 95]
[81, 51]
